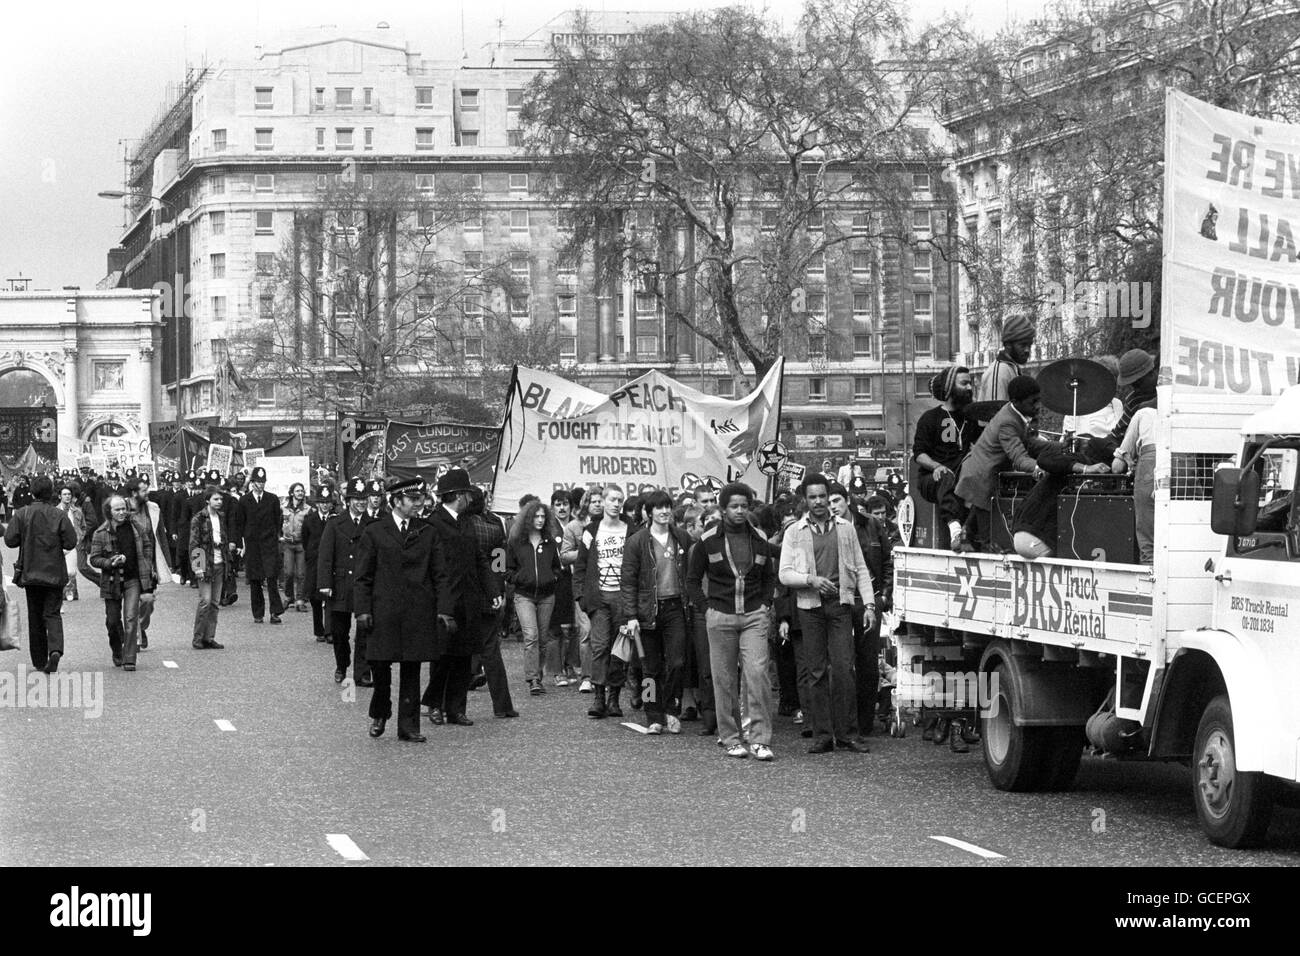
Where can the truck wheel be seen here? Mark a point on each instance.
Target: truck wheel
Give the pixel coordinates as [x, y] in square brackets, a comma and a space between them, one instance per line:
[1235, 807]
[1063, 751]
[1014, 756]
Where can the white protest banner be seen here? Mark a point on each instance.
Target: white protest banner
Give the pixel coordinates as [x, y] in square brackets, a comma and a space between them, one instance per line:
[283, 473]
[85, 461]
[219, 457]
[648, 434]
[146, 469]
[253, 456]
[1231, 283]
[792, 474]
[99, 462]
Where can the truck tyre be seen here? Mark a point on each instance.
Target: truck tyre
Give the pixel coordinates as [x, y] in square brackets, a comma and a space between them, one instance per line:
[1014, 756]
[1235, 807]
[1063, 751]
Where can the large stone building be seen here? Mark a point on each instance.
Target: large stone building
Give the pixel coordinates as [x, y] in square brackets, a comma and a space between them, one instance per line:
[243, 152]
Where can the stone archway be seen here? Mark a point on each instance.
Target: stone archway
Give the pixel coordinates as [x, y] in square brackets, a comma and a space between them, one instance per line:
[29, 411]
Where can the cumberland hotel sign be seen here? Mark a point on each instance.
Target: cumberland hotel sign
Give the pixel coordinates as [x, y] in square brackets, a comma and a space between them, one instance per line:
[576, 42]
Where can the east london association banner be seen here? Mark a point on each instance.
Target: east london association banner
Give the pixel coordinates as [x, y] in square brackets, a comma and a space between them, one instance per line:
[1232, 285]
[427, 451]
[654, 432]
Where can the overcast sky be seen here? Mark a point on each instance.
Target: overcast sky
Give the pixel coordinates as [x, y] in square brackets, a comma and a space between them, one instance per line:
[77, 79]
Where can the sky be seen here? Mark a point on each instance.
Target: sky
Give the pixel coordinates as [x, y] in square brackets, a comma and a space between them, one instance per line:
[77, 79]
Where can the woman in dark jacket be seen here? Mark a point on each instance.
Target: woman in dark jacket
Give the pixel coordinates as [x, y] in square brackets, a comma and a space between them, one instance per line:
[533, 566]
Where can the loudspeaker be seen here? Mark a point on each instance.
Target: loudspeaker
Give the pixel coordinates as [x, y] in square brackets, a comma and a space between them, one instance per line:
[1095, 528]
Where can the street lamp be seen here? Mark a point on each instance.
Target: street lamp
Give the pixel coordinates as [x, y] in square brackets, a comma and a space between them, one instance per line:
[177, 308]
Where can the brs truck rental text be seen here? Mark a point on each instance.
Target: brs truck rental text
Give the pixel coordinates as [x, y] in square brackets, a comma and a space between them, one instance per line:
[1195, 658]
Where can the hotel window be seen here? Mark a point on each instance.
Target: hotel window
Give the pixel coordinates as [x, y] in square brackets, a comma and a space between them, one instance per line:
[263, 98]
[218, 260]
[862, 305]
[861, 223]
[473, 261]
[817, 265]
[474, 347]
[567, 306]
[726, 388]
[817, 345]
[218, 140]
[368, 98]
[424, 305]
[472, 305]
[320, 137]
[424, 97]
[266, 306]
[922, 305]
[473, 222]
[424, 182]
[861, 262]
[424, 137]
[520, 268]
[519, 182]
[322, 181]
[217, 185]
[862, 346]
[265, 393]
[264, 138]
[816, 389]
[368, 142]
[647, 346]
[519, 221]
[471, 182]
[569, 347]
[816, 302]
[514, 99]
[469, 138]
[218, 308]
[265, 263]
[768, 220]
[923, 343]
[318, 100]
[922, 265]
[515, 138]
[519, 306]
[921, 386]
[921, 222]
[862, 388]
[566, 271]
[646, 304]
[218, 222]
[816, 220]
[343, 139]
[424, 218]
[920, 183]
[343, 98]
[469, 99]
[263, 222]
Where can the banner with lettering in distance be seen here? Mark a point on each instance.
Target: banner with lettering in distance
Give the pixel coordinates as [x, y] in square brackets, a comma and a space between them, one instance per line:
[283, 472]
[1233, 281]
[361, 445]
[648, 434]
[428, 451]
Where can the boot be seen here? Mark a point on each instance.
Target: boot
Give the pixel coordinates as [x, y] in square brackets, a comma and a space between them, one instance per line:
[928, 732]
[598, 708]
[611, 707]
[970, 733]
[956, 741]
[941, 728]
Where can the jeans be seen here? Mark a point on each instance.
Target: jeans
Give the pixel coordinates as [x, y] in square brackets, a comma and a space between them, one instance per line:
[740, 639]
[828, 649]
[205, 617]
[294, 563]
[259, 601]
[664, 662]
[340, 623]
[44, 622]
[535, 621]
[698, 650]
[605, 669]
[582, 625]
[122, 617]
[1144, 503]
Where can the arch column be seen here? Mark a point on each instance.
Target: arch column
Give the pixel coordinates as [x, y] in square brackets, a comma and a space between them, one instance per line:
[146, 392]
[70, 415]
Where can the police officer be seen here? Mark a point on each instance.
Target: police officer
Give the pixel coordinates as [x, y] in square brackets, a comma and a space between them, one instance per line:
[336, 578]
[258, 535]
[313, 531]
[375, 506]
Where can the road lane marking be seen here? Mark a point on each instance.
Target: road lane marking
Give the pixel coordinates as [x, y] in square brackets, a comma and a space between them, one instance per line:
[637, 727]
[343, 845]
[969, 848]
[170, 664]
[224, 725]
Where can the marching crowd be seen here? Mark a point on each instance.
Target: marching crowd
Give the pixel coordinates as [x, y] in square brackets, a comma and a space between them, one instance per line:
[709, 608]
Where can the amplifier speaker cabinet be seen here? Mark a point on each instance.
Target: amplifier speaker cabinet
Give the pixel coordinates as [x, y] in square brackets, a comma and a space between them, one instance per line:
[1095, 528]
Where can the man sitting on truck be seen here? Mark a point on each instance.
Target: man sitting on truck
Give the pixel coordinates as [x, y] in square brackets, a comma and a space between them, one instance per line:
[1035, 525]
[943, 439]
[1011, 440]
[1017, 346]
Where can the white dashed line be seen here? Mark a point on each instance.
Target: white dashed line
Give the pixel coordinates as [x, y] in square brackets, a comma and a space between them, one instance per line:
[343, 845]
[224, 725]
[170, 664]
[637, 727]
[969, 848]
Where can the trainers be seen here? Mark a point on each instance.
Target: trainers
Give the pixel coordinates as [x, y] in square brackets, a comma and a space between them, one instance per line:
[561, 680]
[585, 687]
[535, 688]
[798, 716]
[674, 724]
[763, 752]
[737, 750]
[655, 729]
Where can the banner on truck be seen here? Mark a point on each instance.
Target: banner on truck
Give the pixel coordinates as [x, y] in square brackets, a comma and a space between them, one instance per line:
[1232, 283]
[650, 433]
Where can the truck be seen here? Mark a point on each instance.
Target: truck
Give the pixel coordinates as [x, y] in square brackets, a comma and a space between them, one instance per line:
[1194, 658]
